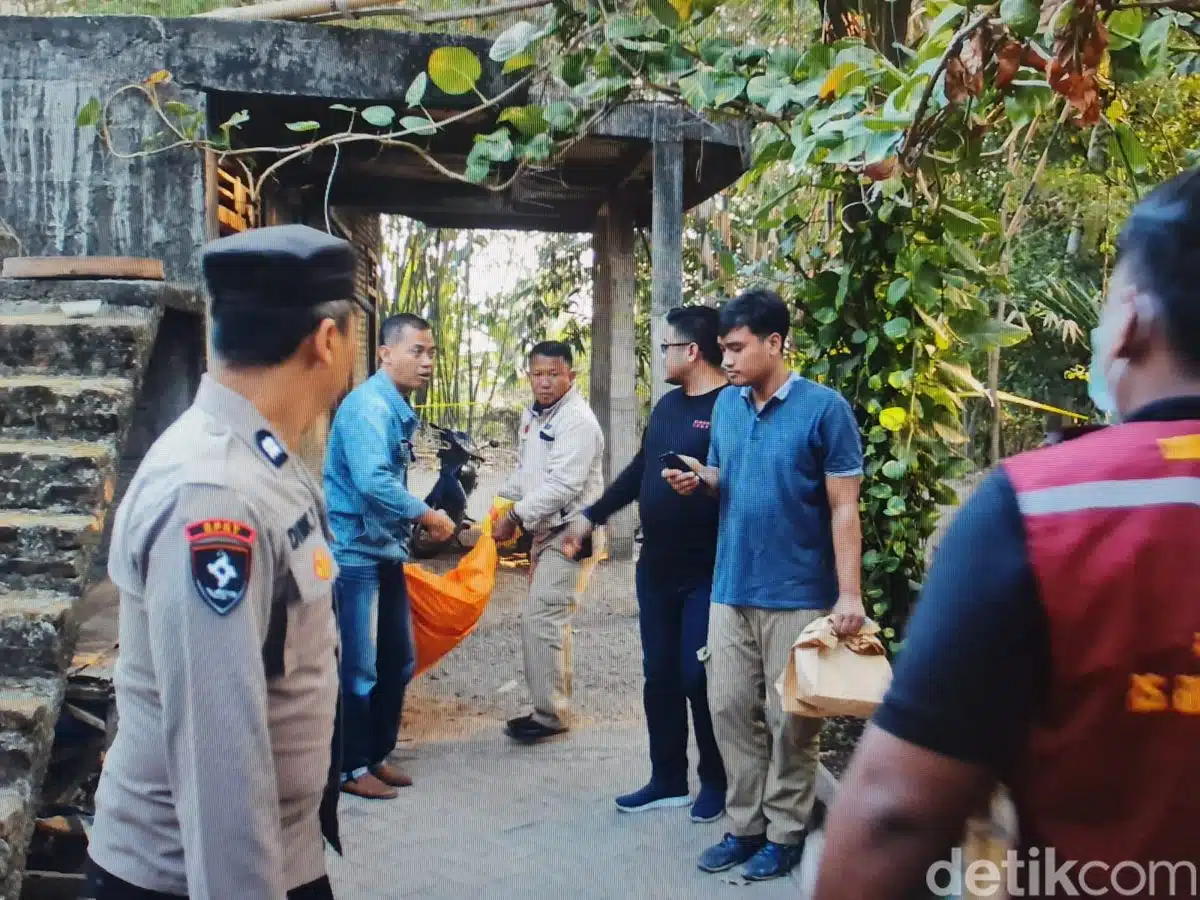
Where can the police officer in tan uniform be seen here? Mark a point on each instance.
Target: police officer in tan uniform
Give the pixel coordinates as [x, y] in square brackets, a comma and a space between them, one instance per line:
[221, 780]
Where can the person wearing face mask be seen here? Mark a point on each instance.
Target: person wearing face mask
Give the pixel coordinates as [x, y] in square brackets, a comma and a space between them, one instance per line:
[1055, 648]
[371, 514]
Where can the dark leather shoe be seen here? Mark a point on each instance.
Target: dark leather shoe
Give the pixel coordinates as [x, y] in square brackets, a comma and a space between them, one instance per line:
[370, 787]
[732, 851]
[528, 731]
[392, 775]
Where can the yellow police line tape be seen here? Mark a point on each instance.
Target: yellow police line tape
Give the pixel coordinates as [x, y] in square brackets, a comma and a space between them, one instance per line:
[1006, 397]
[466, 404]
[1000, 395]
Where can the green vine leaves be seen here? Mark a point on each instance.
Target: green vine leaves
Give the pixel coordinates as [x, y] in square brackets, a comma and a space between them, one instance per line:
[524, 135]
[896, 292]
[841, 105]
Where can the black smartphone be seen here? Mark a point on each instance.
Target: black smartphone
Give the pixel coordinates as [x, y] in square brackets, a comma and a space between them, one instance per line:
[673, 461]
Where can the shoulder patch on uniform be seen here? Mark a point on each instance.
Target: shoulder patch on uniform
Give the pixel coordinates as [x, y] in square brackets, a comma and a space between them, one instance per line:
[270, 448]
[222, 551]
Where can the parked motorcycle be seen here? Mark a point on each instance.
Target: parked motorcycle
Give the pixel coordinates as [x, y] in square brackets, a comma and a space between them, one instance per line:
[457, 480]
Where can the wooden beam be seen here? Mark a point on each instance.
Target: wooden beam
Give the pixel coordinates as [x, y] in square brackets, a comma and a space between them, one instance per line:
[666, 247]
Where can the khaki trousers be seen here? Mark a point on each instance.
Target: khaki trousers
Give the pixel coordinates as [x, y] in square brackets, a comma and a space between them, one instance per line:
[770, 756]
[546, 630]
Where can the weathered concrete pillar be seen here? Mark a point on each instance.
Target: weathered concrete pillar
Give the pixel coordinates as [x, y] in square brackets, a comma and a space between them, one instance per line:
[614, 363]
[666, 248]
[600, 373]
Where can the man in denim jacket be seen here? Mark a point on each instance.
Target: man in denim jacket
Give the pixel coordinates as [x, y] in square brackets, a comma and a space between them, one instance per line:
[371, 514]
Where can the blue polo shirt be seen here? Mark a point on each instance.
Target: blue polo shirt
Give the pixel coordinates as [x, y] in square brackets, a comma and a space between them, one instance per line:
[775, 539]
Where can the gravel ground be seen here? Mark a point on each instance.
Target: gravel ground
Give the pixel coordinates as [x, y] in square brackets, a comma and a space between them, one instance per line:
[481, 682]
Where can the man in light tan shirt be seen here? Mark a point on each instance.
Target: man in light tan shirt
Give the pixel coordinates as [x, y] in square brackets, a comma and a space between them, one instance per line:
[559, 472]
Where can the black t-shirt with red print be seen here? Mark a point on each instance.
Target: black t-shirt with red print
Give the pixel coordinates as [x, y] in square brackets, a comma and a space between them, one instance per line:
[679, 533]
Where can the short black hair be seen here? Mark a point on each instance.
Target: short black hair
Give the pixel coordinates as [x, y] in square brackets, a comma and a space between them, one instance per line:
[258, 337]
[553, 350]
[1161, 243]
[699, 324]
[758, 309]
[393, 327]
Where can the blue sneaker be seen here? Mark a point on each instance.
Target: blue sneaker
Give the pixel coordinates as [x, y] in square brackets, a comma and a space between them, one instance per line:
[773, 861]
[732, 851]
[710, 804]
[652, 797]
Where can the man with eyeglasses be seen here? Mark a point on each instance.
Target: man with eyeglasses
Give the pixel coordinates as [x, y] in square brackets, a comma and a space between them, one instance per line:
[674, 570]
[371, 514]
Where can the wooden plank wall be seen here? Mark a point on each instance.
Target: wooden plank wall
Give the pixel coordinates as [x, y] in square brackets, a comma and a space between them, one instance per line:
[235, 212]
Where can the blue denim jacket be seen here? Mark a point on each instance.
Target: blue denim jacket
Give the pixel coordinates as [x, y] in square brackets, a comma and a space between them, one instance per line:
[366, 475]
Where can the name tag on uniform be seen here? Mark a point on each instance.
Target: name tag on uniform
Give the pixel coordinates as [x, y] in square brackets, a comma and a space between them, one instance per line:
[300, 530]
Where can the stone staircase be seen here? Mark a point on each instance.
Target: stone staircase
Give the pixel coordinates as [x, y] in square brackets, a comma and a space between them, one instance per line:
[69, 380]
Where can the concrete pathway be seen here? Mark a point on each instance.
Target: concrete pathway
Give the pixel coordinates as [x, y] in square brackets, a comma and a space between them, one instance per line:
[487, 818]
[491, 819]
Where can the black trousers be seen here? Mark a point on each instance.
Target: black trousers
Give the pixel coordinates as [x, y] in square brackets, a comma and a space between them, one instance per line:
[103, 885]
[673, 616]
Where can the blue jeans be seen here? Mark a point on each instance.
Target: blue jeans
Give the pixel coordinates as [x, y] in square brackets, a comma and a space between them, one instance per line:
[673, 615]
[374, 675]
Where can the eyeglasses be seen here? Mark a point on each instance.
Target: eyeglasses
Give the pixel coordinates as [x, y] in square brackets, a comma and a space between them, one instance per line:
[665, 347]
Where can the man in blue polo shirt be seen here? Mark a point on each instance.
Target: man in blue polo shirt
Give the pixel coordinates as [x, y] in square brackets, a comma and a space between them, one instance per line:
[786, 462]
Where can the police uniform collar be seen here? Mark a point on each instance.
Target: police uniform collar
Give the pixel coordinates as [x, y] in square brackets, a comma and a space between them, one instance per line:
[242, 417]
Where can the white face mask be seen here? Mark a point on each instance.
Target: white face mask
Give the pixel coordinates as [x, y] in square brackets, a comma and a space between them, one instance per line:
[1098, 388]
[1105, 372]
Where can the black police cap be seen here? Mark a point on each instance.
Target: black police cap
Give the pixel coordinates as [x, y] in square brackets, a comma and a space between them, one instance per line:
[281, 267]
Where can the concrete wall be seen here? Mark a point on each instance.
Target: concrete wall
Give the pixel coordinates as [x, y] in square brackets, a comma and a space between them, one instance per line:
[167, 389]
[61, 191]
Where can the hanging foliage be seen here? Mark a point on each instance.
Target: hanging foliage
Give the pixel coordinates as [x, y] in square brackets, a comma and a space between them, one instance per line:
[868, 139]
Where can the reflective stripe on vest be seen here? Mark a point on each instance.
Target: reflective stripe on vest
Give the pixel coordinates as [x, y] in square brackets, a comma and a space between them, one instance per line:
[1124, 494]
